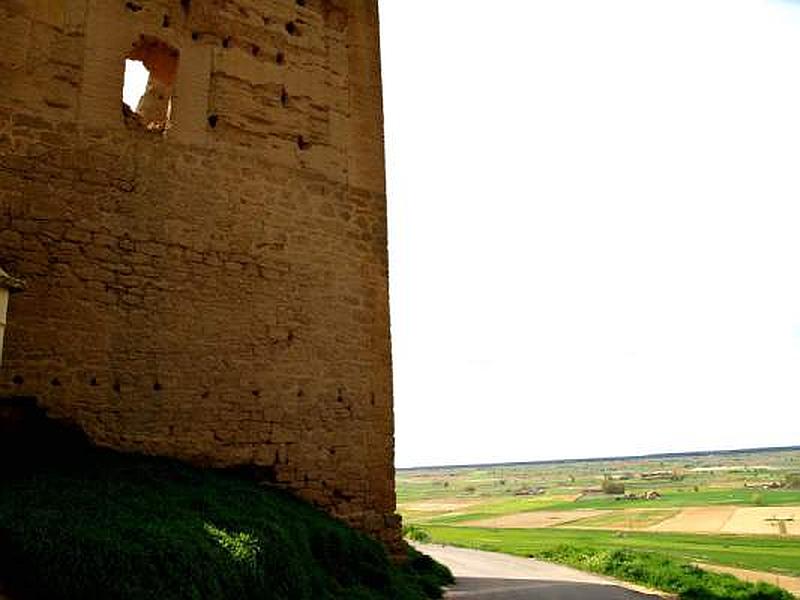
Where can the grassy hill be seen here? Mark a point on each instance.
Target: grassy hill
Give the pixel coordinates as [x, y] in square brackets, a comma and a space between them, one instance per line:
[105, 525]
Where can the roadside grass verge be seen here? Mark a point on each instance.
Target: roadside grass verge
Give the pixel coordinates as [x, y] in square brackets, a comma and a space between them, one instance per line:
[758, 553]
[654, 569]
[660, 572]
[112, 526]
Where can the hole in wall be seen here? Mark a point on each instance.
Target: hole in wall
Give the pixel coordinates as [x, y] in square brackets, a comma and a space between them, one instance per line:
[136, 76]
[226, 42]
[133, 6]
[186, 5]
[55, 382]
[212, 121]
[291, 28]
[157, 387]
[280, 58]
[195, 35]
[165, 22]
[301, 2]
[93, 382]
[284, 97]
[150, 71]
[205, 395]
[256, 393]
[342, 495]
[302, 143]
[255, 50]
[17, 380]
[117, 387]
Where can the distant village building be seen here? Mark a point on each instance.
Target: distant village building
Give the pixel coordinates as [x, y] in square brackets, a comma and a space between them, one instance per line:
[765, 485]
[531, 491]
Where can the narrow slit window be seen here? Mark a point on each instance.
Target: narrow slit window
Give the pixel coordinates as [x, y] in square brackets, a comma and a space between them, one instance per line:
[150, 70]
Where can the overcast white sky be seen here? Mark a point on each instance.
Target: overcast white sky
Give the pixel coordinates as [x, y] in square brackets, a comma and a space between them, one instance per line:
[594, 226]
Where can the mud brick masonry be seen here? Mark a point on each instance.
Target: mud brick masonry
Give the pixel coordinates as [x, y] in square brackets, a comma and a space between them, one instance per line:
[206, 273]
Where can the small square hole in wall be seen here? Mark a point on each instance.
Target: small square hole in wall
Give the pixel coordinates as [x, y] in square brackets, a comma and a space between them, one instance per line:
[150, 69]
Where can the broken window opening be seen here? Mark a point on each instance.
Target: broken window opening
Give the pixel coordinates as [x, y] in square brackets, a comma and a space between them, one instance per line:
[150, 70]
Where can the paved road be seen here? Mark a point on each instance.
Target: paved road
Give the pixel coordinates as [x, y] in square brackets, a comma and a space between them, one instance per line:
[491, 576]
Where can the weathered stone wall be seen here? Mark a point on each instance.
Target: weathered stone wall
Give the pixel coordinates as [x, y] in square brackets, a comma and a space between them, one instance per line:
[217, 292]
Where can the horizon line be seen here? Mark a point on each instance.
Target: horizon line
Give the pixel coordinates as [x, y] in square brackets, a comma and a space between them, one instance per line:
[604, 458]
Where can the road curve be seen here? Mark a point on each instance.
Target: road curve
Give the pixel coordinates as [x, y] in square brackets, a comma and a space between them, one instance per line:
[492, 576]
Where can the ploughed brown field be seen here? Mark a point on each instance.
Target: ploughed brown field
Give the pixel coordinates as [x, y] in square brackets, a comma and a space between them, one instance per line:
[766, 520]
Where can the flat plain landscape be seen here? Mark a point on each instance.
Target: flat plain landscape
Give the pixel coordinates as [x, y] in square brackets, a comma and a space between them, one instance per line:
[734, 510]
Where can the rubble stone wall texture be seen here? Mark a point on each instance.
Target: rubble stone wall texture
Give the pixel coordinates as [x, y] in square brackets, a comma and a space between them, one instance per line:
[216, 292]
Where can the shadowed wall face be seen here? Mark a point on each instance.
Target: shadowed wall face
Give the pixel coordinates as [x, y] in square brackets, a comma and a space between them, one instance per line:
[213, 288]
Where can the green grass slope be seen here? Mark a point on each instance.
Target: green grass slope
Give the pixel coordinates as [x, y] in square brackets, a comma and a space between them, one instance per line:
[663, 573]
[112, 526]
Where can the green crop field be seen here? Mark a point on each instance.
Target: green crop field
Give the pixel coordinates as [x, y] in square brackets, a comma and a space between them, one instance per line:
[494, 506]
[679, 498]
[626, 519]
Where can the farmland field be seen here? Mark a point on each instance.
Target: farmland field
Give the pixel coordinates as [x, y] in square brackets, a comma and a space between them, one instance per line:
[735, 510]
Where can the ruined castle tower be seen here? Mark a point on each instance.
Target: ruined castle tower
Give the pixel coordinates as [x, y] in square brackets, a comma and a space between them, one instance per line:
[206, 271]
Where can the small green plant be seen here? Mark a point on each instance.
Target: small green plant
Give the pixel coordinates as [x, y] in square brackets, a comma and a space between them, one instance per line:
[243, 547]
[758, 499]
[416, 534]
